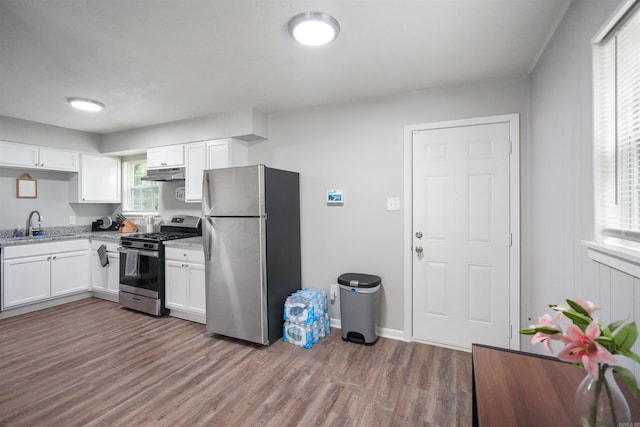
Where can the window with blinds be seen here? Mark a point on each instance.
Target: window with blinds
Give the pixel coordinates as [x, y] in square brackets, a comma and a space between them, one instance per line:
[617, 127]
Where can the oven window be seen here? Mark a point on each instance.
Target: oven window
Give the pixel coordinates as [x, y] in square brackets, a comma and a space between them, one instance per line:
[146, 273]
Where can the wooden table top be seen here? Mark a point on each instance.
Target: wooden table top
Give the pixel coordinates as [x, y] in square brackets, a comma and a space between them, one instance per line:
[522, 389]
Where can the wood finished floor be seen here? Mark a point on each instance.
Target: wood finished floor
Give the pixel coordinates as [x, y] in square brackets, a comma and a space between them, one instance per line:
[92, 363]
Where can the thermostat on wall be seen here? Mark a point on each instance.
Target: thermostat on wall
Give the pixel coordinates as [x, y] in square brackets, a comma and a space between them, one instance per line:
[335, 197]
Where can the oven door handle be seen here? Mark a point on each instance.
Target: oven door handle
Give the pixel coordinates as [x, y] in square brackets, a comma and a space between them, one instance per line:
[141, 252]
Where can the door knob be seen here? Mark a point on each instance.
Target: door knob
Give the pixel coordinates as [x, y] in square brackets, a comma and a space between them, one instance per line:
[419, 234]
[419, 249]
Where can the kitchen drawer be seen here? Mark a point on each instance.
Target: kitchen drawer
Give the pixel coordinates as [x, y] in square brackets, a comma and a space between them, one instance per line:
[45, 248]
[186, 255]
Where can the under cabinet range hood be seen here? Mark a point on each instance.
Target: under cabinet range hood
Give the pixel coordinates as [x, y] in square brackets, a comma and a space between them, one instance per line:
[166, 174]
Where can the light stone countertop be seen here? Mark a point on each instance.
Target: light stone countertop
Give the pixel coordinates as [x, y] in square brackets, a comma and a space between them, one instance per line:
[111, 236]
[190, 242]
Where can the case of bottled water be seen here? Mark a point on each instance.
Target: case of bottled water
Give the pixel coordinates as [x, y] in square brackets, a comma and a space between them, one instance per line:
[306, 317]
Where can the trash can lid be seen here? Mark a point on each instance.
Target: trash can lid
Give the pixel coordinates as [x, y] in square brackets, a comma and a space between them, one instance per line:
[359, 280]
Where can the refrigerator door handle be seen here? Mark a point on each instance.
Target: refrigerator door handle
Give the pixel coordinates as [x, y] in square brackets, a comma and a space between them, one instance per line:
[206, 205]
[206, 237]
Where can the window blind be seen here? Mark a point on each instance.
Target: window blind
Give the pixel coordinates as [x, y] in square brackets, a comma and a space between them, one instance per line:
[617, 129]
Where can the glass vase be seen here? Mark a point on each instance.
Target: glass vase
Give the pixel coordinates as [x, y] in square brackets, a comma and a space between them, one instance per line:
[600, 403]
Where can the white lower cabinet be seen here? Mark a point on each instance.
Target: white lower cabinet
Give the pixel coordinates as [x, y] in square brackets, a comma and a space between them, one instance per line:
[105, 280]
[42, 271]
[185, 283]
[69, 273]
[26, 280]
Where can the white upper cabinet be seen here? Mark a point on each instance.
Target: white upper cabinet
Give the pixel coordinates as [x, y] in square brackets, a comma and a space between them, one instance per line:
[36, 157]
[165, 157]
[63, 160]
[195, 163]
[215, 154]
[98, 180]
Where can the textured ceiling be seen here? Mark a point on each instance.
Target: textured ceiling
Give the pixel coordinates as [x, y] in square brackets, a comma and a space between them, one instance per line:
[155, 61]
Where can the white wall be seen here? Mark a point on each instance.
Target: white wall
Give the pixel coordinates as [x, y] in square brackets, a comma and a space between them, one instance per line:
[559, 203]
[52, 201]
[358, 148]
[248, 124]
[17, 130]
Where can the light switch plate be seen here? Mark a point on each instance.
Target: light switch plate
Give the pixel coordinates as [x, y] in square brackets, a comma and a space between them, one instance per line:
[393, 203]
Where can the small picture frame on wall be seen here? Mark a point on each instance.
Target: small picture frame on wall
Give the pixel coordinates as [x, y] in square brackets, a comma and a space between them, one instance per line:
[26, 187]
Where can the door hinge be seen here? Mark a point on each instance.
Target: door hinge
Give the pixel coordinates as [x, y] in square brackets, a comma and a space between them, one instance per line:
[510, 239]
[510, 147]
[510, 331]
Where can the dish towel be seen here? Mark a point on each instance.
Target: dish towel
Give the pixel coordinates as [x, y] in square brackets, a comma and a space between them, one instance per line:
[131, 264]
[102, 254]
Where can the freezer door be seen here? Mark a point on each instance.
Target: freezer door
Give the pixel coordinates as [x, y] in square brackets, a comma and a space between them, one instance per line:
[235, 278]
[237, 191]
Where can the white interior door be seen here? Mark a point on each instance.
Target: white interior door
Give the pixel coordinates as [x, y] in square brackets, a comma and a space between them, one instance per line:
[461, 235]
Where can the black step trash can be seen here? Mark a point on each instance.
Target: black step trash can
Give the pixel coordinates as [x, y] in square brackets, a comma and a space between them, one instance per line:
[359, 295]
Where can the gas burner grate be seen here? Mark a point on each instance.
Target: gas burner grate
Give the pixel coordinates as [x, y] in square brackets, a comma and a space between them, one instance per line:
[160, 236]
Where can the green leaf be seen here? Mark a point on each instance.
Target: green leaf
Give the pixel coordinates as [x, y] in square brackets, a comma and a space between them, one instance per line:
[578, 308]
[615, 325]
[547, 330]
[606, 341]
[528, 331]
[628, 378]
[626, 336]
[630, 354]
[580, 320]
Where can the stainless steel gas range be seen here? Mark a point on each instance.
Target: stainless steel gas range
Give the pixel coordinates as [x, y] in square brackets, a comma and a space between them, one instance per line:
[142, 278]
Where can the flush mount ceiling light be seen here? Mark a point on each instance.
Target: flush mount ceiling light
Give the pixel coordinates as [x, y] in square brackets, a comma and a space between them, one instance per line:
[85, 104]
[314, 28]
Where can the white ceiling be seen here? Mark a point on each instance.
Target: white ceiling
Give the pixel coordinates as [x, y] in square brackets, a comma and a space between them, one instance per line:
[155, 61]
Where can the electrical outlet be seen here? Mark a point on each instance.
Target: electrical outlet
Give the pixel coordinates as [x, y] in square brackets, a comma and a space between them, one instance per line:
[333, 292]
[72, 219]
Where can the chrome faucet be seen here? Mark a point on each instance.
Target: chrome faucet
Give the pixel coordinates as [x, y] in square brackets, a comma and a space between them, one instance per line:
[29, 227]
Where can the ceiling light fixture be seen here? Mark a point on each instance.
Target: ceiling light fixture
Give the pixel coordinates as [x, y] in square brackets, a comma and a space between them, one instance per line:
[314, 28]
[85, 104]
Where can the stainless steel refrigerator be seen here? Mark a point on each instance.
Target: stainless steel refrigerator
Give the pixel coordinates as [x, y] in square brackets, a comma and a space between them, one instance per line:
[251, 239]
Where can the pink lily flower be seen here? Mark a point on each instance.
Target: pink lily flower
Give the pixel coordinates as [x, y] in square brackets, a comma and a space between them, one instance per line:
[587, 305]
[548, 322]
[581, 347]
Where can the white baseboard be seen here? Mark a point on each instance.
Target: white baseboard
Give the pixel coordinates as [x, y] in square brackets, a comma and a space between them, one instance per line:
[185, 315]
[10, 312]
[393, 334]
[104, 296]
